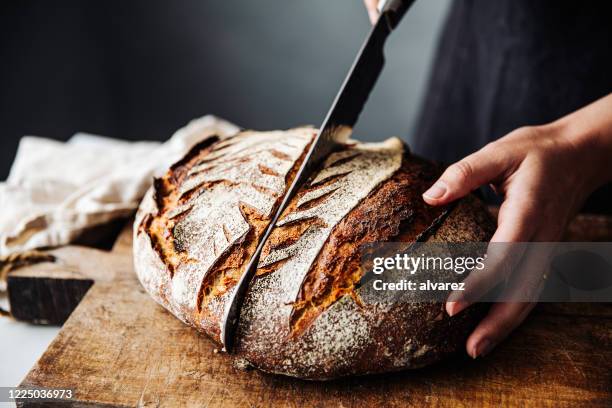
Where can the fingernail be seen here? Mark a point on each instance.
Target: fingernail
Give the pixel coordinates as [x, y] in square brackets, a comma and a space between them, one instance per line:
[436, 191]
[454, 307]
[482, 348]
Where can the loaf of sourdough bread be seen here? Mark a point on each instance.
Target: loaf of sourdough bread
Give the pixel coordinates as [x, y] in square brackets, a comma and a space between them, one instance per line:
[199, 224]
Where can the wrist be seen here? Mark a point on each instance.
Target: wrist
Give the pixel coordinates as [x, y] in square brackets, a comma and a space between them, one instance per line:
[590, 140]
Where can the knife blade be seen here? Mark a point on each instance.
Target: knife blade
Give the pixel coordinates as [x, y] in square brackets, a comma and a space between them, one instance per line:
[336, 129]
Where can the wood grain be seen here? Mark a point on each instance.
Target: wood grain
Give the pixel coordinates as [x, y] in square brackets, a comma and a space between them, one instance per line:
[119, 348]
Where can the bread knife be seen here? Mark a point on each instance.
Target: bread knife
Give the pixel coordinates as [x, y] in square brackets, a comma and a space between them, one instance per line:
[336, 129]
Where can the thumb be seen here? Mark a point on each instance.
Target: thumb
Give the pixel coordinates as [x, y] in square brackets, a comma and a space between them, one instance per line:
[465, 176]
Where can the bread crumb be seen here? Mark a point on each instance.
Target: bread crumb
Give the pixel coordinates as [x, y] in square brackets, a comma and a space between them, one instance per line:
[242, 364]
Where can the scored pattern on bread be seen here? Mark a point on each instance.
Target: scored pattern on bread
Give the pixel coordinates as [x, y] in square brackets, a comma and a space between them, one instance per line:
[353, 173]
[346, 179]
[215, 211]
[329, 331]
[394, 211]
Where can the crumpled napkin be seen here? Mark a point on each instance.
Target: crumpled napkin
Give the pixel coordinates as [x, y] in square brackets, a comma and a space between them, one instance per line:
[57, 190]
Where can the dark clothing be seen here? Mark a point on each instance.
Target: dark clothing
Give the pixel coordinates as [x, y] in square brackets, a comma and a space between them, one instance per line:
[504, 64]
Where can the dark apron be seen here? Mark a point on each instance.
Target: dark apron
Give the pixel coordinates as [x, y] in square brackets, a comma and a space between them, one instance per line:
[504, 64]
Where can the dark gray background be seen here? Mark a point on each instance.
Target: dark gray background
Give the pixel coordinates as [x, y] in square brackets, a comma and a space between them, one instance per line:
[140, 69]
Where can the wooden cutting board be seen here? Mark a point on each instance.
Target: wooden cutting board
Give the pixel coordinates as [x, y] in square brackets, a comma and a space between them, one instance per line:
[119, 348]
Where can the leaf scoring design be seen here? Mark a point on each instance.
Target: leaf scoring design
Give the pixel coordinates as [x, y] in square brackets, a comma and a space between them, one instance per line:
[360, 170]
[228, 179]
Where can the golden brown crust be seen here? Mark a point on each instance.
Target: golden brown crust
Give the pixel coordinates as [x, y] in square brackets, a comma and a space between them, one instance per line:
[394, 212]
[323, 330]
[332, 332]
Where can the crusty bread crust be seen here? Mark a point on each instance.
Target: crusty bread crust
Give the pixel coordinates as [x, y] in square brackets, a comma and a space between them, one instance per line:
[303, 315]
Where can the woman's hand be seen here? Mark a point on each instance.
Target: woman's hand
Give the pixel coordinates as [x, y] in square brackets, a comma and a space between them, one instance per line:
[372, 10]
[544, 174]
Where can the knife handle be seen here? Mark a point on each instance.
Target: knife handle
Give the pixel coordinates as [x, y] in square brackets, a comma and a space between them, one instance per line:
[394, 10]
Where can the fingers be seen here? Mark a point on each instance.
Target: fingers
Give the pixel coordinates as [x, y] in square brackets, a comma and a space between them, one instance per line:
[466, 175]
[500, 262]
[372, 10]
[516, 223]
[501, 320]
[520, 165]
[518, 297]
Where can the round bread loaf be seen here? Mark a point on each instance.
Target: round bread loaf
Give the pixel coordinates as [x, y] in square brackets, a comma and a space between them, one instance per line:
[199, 224]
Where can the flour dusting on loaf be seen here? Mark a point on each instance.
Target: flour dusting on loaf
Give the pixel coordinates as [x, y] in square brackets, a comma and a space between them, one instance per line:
[302, 316]
[361, 170]
[211, 202]
[245, 170]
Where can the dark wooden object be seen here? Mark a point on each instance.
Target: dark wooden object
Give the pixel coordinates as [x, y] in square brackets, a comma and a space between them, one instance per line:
[48, 292]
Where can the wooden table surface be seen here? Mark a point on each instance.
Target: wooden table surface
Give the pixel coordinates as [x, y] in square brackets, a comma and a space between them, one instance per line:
[119, 348]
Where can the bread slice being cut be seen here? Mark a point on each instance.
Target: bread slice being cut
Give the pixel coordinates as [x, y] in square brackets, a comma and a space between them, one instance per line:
[200, 223]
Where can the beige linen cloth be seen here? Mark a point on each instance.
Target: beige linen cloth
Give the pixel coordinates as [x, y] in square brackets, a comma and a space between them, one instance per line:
[56, 190]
